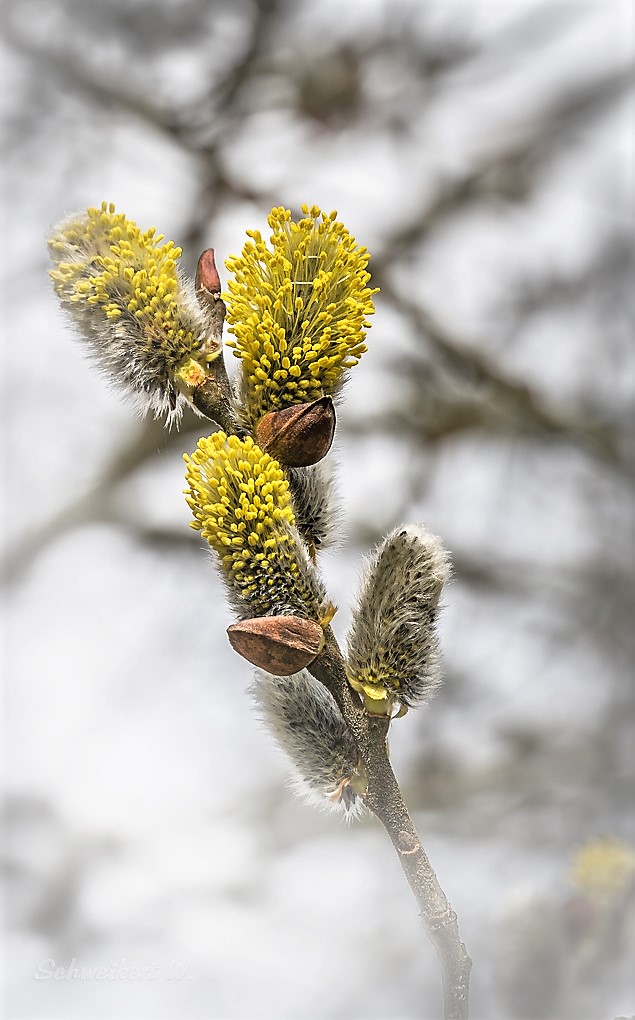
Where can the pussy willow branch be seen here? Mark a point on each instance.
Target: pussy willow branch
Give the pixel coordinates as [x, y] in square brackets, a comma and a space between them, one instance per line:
[369, 732]
[384, 799]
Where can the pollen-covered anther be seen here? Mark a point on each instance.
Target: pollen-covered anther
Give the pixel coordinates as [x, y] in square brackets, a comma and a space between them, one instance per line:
[281, 645]
[298, 310]
[240, 499]
[298, 436]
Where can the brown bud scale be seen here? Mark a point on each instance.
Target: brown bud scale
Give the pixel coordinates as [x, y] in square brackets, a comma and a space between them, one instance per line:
[281, 645]
[300, 435]
[207, 277]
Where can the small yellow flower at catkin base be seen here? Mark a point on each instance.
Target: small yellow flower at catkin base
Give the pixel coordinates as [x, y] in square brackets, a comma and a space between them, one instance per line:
[604, 870]
[240, 500]
[139, 315]
[298, 310]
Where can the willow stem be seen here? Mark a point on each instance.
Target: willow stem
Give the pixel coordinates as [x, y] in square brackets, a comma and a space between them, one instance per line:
[386, 802]
[213, 398]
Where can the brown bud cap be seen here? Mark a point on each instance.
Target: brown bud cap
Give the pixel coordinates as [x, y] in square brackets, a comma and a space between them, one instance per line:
[281, 645]
[207, 287]
[299, 435]
[207, 278]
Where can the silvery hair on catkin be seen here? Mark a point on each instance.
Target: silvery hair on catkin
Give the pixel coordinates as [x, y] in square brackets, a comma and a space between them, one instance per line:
[307, 725]
[392, 640]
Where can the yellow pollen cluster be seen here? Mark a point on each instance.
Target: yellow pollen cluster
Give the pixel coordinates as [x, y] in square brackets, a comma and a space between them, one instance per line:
[376, 689]
[240, 500]
[604, 869]
[298, 310]
[106, 268]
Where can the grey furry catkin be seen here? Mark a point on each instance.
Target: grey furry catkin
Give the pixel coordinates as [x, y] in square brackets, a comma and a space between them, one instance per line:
[315, 506]
[392, 645]
[307, 725]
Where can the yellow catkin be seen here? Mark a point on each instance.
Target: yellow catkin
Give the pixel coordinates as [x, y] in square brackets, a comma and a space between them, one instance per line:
[603, 869]
[122, 287]
[240, 500]
[127, 269]
[298, 310]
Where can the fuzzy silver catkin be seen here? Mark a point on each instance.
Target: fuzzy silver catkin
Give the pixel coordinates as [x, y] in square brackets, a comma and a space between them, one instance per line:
[315, 506]
[306, 724]
[393, 649]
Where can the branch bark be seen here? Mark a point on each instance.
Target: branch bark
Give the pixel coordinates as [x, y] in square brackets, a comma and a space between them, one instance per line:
[384, 799]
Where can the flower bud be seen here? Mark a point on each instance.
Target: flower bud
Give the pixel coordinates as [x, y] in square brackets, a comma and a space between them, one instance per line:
[207, 278]
[300, 435]
[393, 649]
[281, 645]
